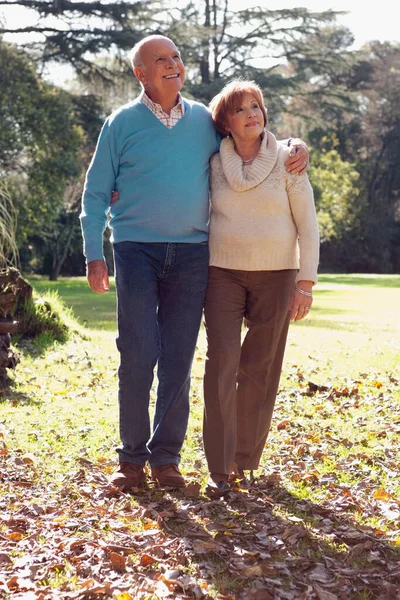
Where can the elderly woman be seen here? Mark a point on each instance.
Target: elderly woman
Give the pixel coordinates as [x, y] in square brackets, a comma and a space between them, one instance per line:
[263, 265]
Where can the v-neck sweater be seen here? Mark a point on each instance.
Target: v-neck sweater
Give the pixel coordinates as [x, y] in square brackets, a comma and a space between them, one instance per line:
[161, 175]
[262, 217]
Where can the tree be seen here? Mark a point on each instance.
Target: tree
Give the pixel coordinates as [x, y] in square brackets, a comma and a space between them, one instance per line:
[314, 84]
[336, 194]
[40, 145]
[368, 137]
[325, 105]
[119, 87]
[355, 102]
[219, 44]
[75, 31]
[8, 229]
[380, 154]
[61, 238]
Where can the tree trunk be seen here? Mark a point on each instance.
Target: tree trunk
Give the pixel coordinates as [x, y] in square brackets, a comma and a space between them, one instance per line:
[8, 359]
[14, 291]
[58, 260]
[205, 58]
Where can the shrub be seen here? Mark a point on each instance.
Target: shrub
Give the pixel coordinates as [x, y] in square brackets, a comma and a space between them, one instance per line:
[45, 315]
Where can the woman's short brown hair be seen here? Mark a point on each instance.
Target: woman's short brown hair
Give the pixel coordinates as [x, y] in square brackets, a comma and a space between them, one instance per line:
[231, 96]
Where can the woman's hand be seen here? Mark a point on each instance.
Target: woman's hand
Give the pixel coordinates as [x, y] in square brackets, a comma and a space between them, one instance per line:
[302, 300]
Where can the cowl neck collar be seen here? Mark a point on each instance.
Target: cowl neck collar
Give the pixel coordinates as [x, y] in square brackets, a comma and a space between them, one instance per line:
[242, 178]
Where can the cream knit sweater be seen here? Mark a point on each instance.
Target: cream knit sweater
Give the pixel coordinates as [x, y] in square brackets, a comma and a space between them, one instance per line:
[262, 217]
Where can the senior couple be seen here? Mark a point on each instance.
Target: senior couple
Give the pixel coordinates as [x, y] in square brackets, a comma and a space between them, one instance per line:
[259, 263]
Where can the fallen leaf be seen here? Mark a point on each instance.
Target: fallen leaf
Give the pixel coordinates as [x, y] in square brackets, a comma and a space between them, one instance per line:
[203, 546]
[3, 449]
[390, 591]
[118, 561]
[320, 573]
[151, 525]
[323, 594]
[162, 590]
[5, 558]
[147, 560]
[251, 571]
[258, 595]
[88, 583]
[28, 459]
[381, 494]
[192, 490]
[377, 384]
[283, 424]
[16, 536]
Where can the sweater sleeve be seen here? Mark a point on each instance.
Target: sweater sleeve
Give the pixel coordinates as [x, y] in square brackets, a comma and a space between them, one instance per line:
[301, 199]
[99, 185]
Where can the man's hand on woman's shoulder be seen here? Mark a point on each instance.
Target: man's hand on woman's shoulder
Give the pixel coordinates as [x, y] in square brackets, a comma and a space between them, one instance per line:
[298, 161]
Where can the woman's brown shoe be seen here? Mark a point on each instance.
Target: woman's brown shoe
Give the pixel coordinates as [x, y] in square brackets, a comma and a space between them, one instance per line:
[239, 479]
[217, 487]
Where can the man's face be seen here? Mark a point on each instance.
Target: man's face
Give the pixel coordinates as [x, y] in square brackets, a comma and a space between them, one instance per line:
[161, 72]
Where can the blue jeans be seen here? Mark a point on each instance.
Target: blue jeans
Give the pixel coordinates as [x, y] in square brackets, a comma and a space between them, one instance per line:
[160, 295]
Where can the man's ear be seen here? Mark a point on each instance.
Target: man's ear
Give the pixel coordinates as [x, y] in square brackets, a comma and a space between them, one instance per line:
[140, 74]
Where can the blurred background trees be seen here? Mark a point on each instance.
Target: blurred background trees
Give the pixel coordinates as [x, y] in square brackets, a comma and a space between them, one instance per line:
[345, 103]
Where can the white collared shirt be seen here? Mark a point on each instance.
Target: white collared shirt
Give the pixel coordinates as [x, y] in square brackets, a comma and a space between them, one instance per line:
[170, 120]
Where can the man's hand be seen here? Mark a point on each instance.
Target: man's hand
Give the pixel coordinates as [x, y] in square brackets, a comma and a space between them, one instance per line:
[97, 276]
[297, 163]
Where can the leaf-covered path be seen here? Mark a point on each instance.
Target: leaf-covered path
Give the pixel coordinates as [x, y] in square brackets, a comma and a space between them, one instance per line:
[81, 540]
[321, 520]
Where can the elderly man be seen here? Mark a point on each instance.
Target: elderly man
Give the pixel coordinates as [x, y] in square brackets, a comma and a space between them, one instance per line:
[154, 151]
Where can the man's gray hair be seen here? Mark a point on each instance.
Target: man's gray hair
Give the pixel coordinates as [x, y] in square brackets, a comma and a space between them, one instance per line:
[135, 53]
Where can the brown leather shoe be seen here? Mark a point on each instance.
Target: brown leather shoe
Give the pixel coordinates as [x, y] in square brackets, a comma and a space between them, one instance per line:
[168, 476]
[128, 475]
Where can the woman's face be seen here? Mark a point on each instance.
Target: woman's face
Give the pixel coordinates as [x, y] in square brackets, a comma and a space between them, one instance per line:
[247, 120]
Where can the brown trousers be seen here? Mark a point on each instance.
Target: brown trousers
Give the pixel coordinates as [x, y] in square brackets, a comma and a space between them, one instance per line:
[241, 379]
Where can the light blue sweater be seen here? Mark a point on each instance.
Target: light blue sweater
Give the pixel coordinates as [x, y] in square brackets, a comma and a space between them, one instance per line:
[161, 174]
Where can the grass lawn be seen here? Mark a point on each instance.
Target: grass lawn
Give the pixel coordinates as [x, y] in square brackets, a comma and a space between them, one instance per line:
[320, 521]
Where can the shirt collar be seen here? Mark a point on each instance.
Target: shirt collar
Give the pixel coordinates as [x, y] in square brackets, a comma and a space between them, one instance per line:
[153, 105]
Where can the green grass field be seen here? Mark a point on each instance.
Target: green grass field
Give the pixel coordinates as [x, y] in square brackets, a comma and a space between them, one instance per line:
[354, 324]
[322, 516]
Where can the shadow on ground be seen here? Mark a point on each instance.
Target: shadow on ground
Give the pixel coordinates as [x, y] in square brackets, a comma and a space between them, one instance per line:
[267, 543]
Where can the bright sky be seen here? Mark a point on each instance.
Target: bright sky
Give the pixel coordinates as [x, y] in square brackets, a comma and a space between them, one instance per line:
[367, 20]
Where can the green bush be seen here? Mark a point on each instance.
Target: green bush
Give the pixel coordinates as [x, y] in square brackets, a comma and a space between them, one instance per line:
[45, 315]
